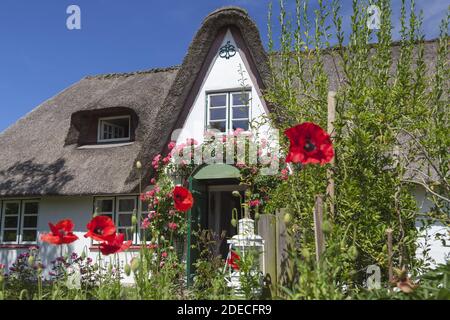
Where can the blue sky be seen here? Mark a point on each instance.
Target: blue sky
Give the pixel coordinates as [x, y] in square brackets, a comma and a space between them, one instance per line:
[40, 57]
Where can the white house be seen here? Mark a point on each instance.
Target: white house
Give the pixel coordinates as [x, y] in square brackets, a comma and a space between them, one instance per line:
[77, 151]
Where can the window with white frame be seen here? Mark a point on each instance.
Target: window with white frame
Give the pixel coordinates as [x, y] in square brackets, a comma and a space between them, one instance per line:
[19, 221]
[114, 129]
[228, 111]
[121, 210]
[125, 209]
[240, 110]
[30, 211]
[104, 207]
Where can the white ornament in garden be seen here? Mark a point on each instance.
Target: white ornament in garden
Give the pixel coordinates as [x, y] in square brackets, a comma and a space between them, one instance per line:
[245, 242]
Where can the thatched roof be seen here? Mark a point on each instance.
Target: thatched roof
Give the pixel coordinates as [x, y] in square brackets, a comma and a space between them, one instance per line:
[40, 154]
[36, 159]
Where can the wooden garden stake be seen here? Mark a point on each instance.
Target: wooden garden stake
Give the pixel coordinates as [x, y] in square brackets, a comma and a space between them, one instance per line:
[389, 248]
[331, 132]
[318, 231]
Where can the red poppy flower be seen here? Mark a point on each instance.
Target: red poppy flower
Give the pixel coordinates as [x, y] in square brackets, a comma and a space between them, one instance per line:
[101, 228]
[61, 233]
[115, 245]
[309, 143]
[183, 198]
[233, 260]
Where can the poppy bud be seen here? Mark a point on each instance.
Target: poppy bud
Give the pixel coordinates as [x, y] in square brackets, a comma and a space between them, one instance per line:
[127, 270]
[234, 216]
[138, 165]
[236, 194]
[326, 226]
[134, 264]
[31, 260]
[287, 218]
[23, 294]
[256, 215]
[133, 220]
[162, 238]
[352, 252]
[306, 254]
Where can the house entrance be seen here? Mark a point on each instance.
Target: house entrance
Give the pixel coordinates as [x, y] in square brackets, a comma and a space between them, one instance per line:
[221, 203]
[212, 187]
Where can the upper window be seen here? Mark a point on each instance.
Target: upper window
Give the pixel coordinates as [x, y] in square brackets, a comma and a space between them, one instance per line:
[19, 221]
[121, 210]
[113, 129]
[228, 111]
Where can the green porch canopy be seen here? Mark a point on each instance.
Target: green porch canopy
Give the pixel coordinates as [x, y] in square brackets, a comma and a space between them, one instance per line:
[217, 171]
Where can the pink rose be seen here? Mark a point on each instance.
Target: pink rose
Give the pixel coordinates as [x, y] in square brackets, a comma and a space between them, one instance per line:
[254, 203]
[145, 223]
[238, 131]
[151, 215]
[171, 145]
[172, 226]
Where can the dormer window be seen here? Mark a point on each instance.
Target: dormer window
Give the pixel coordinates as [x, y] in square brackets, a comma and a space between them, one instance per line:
[114, 129]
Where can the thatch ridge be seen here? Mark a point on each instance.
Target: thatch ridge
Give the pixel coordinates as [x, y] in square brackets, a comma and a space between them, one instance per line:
[132, 73]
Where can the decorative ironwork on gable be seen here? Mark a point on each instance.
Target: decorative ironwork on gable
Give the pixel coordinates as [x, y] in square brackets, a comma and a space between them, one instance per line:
[227, 51]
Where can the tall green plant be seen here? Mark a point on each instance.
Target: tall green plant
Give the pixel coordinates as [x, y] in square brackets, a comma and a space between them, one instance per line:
[385, 120]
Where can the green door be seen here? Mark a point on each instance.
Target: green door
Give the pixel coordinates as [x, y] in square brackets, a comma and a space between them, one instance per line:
[198, 210]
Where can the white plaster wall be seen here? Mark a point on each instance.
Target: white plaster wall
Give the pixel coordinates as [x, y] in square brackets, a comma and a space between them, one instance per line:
[223, 74]
[438, 252]
[53, 209]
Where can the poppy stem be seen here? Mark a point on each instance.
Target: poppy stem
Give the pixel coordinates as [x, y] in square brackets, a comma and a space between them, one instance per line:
[118, 272]
[99, 263]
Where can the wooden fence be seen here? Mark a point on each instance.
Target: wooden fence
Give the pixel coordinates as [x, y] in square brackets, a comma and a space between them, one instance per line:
[272, 228]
